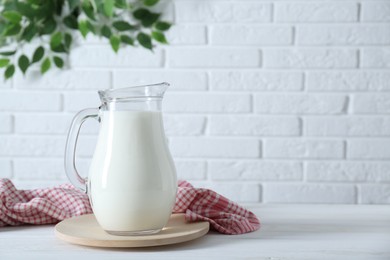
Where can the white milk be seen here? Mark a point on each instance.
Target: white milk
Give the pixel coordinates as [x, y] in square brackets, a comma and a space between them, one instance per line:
[132, 178]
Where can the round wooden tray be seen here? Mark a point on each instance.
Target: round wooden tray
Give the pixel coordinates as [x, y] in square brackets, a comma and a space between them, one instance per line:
[85, 230]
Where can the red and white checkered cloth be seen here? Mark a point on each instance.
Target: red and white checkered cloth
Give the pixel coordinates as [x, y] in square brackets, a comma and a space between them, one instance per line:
[51, 205]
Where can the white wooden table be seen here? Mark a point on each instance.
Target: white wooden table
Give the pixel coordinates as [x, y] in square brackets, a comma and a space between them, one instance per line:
[288, 232]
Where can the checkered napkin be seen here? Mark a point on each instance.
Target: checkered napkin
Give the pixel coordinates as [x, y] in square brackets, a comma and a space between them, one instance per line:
[51, 205]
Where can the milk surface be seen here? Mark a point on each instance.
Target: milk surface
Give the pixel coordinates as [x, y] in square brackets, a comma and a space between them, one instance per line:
[132, 178]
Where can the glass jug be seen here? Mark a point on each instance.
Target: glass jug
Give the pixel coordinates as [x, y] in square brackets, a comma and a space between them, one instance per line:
[132, 177]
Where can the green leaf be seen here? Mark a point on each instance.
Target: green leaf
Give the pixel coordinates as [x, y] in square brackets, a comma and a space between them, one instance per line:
[23, 63]
[146, 17]
[55, 40]
[150, 2]
[9, 71]
[91, 28]
[121, 4]
[2, 27]
[88, 10]
[162, 26]
[38, 54]
[9, 5]
[59, 62]
[127, 40]
[71, 22]
[60, 49]
[145, 40]
[12, 29]
[35, 2]
[141, 13]
[122, 26]
[58, 5]
[29, 32]
[12, 16]
[109, 7]
[115, 42]
[4, 63]
[49, 26]
[45, 66]
[68, 40]
[7, 53]
[99, 7]
[73, 4]
[44, 10]
[25, 9]
[106, 31]
[83, 28]
[150, 20]
[159, 36]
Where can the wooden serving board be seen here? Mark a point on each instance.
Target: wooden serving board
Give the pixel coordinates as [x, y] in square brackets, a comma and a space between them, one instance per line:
[85, 230]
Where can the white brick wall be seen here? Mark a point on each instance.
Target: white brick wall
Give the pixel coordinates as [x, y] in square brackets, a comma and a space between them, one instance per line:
[316, 11]
[298, 148]
[250, 35]
[301, 103]
[212, 57]
[375, 58]
[5, 168]
[6, 123]
[348, 81]
[309, 193]
[271, 101]
[376, 11]
[310, 58]
[343, 35]
[255, 80]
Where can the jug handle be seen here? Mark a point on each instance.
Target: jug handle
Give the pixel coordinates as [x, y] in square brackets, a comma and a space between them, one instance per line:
[70, 148]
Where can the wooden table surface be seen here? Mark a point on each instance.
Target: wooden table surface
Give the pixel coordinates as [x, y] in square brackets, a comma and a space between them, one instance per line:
[358, 232]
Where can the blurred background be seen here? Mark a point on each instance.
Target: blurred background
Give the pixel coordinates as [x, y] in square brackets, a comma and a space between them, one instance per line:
[271, 101]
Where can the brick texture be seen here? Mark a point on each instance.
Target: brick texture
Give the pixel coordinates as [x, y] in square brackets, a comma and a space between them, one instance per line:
[5, 168]
[256, 81]
[187, 35]
[376, 11]
[104, 57]
[6, 123]
[222, 12]
[374, 193]
[191, 170]
[313, 11]
[310, 58]
[270, 101]
[361, 171]
[300, 104]
[343, 35]
[214, 147]
[250, 35]
[213, 57]
[304, 149]
[309, 193]
[375, 58]
[180, 80]
[184, 125]
[369, 149]
[30, 101]
[371, 103]
[78, 79]
[204, 102]
[254, 170]
[254, 126]
[349, 81]
[347, 126]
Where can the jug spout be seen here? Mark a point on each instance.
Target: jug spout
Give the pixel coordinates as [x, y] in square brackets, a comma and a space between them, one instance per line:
[140, 93]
